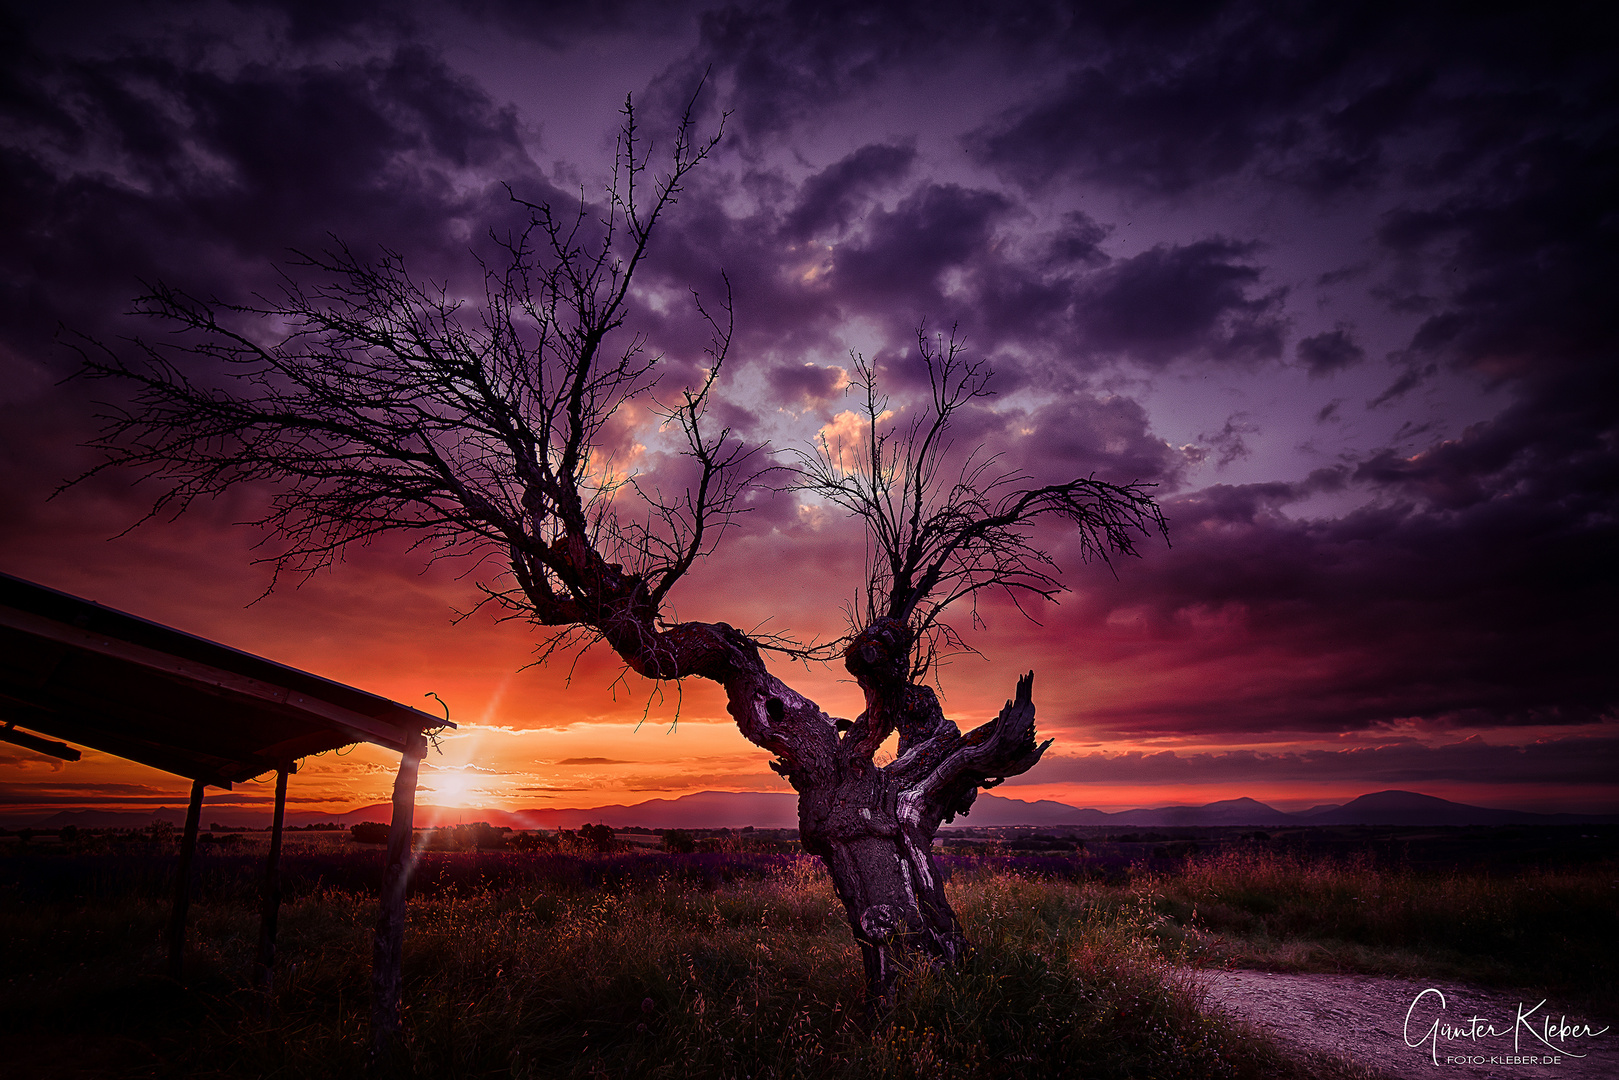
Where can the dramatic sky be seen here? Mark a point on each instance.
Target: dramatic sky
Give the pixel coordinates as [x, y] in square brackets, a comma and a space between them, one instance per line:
[1331, 276]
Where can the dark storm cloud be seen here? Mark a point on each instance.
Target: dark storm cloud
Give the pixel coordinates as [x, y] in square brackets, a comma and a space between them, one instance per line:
[951, 252]
[1046, 305]
[1442, 604]
[829, 200]
[129, 166]
[258, 158]
[1556, 448]
[1165, 102]
[1515, 518]
[1329, 352]
[1231, 439]
[316, 22]
[1528, 255]
[936, 256]
[1153, 97]
[153, 170]
[1570, 760]
[376, 149]
[1078, 240]
[560, 24]
[1109, 438]
[806, 384]
[903, 252]
[1517, 231]
[1162, 130]
[1338, 277]
[1174, 301]
[1408, 380]
[1183, 108]
[786, 61]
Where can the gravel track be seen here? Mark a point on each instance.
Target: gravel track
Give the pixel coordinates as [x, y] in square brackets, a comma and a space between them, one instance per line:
[1364, 1018]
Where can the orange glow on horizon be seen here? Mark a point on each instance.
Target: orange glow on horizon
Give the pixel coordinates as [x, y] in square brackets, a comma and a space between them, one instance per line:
[580, 733]
[363, 776]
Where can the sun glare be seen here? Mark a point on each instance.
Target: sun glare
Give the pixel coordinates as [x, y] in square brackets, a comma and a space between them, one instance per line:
[451, 789]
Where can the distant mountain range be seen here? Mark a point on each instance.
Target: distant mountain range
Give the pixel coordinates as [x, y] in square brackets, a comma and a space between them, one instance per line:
[779, 810]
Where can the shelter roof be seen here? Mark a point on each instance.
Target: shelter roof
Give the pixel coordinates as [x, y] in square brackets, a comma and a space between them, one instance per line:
[88, 674]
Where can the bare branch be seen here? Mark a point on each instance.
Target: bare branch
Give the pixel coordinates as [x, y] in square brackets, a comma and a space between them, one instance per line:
[932, 543]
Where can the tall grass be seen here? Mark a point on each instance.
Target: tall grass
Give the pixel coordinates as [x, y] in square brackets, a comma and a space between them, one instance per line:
[1556, 929]
[652, 977]
[738, 965]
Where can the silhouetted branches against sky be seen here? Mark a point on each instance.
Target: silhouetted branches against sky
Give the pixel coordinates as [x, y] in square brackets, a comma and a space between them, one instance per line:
[387, 404]
[932, 542]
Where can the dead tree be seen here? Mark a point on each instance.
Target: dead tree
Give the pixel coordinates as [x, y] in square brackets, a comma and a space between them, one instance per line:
[936, 537]
[381, 405]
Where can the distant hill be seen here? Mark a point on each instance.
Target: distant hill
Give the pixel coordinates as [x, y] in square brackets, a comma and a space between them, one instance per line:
[779, 810]
[992, 810]
[106, 819]
[1413, 808]
[704, 810]
[1225, 812]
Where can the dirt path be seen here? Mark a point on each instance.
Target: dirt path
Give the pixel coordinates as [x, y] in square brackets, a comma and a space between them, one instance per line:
[1365, 1019]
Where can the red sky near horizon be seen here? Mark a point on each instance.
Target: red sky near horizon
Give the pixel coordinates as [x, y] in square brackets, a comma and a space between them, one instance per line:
[1337, 291]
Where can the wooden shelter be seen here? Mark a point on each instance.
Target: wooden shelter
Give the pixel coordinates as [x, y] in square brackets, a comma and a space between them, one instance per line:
[73, 670]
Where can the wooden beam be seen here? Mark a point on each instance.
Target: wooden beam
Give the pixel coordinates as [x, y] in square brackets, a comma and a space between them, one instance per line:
[182, 883]
[264, 965]
[389, 946]
[301, 746]
[361, 727]
[39, 746]
[82, 725]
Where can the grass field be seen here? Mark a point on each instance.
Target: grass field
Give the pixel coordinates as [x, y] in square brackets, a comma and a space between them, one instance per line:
[1550, 929]
[739, 965]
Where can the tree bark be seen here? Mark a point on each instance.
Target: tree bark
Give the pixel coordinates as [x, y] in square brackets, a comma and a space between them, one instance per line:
[883, 871]
[873, 826]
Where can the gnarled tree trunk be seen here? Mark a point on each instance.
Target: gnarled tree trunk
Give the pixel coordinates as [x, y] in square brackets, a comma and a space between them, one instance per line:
[873, 826]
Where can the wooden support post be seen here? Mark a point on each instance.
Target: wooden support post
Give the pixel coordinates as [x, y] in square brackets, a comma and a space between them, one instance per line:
[388, 951]
[182, 883]
[264, 965]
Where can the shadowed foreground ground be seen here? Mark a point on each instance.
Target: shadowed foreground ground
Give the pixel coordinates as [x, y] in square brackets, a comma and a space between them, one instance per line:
[738, 965]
